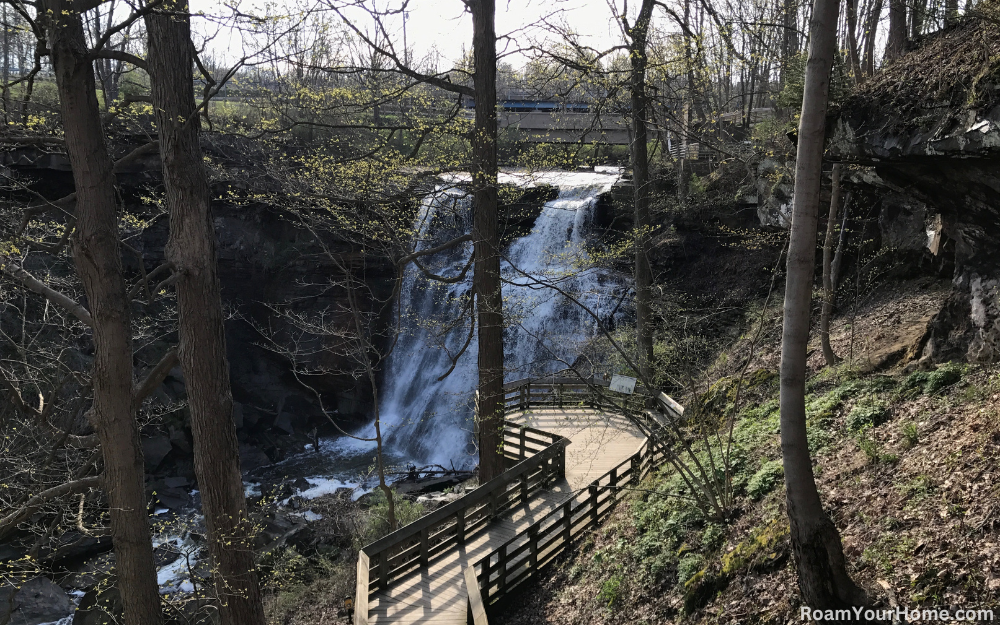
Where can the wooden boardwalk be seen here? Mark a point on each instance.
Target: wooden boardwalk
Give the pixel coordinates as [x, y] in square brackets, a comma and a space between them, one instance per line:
[436, 593]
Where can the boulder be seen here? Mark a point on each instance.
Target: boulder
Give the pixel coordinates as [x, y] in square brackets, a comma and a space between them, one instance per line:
[37, 601]
[775, 183]
[252, 458]
[155, 449]
[173, 498]
[100, 606]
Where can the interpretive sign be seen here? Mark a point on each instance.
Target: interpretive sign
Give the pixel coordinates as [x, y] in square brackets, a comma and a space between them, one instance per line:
[623, 384]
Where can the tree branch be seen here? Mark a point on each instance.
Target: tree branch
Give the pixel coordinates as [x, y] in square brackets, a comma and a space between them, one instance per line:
[120, 55]
[154, 378]
[9, 522]
[434, 250]
[34, 284]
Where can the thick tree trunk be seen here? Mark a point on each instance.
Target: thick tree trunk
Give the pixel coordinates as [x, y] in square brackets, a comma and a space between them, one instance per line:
[831, 226]
[823, 579]
[638, 35]
[191, 248]
[97, 257]
[896, 44]
[486, 241]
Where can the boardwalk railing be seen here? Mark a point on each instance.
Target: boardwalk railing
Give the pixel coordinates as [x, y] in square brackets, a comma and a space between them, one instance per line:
[418, 543]
[517, 560]
[536, 459]
[565, 392]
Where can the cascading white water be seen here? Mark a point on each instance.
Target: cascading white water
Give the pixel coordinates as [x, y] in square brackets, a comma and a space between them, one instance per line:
[427, 418]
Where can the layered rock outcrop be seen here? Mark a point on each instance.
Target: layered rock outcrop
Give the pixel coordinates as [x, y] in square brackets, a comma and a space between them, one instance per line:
[926, 131]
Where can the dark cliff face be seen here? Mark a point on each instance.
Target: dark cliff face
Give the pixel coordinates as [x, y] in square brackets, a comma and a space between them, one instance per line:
[267, 260]
[927, 130]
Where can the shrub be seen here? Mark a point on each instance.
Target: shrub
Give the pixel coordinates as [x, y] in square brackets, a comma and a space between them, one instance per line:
[911, 435]
[867, 413]
[689, 566]
[713, 535]
[377, 525]
[945, 375]
[763, 481]
[873, 448]
[610, 591]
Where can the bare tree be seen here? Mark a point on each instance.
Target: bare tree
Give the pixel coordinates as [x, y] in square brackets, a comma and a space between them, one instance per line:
[97, 255]
[822, 572]
[638, 34]
[895, 45]
[831, 226]
[191, 251]
[486, 241]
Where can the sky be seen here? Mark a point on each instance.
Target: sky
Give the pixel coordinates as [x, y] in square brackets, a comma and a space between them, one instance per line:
[444, 26]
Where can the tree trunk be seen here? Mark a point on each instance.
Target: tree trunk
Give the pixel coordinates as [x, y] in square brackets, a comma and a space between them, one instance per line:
[896, 44]
[486, 280]
[191, 249]
[823, 579]
[839, 255]
[790, 37]
[638, 36]
[97, 257]
[681, 164]
[852, 40]
[917, 12]
[831, 225]
[950, 12]
[871, 32]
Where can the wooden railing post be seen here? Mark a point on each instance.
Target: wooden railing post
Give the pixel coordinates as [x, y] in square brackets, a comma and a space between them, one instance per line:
[361, 591]
[533, 547]
[460, 527]
[593, 503]
[424, 546]
[383, 568]
[567, 523]
[502, 570]
[524, 444]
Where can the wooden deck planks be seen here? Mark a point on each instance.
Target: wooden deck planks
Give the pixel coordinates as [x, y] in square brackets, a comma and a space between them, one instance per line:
[436, 593]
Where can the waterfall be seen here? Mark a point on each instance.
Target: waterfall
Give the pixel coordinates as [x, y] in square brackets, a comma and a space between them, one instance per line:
[430, 419]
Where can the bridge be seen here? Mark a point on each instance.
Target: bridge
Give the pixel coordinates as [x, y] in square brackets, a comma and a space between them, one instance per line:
[564, 126]
[571, 447]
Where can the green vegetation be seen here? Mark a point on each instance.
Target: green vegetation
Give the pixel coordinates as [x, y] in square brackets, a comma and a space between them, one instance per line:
[764, 480]
[868, 412]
